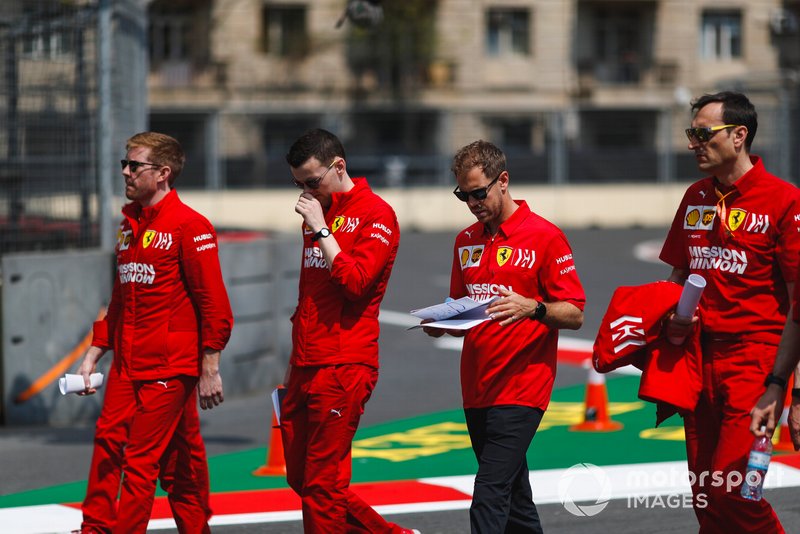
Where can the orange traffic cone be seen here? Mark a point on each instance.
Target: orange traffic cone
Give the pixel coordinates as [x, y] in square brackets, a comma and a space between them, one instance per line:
[596, 417]
[784, 439]
[276, 463]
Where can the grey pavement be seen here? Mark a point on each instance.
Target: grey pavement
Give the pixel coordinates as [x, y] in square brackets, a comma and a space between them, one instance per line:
[416, 378]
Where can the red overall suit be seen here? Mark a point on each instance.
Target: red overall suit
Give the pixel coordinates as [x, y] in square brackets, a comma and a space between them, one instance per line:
[168, 305]
[335, 360]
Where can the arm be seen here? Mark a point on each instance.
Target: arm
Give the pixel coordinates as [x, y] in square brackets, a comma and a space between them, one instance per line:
[557, 283]
[767, 410]
[358, 269]
[88, 366]
[102, 331]
[201, 268]
[513, 307]
[677, 327]
[311, 211]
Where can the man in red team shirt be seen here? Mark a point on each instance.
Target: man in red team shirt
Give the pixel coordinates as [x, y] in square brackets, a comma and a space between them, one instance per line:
[738, 229]
[350, 241]
[168, 320]
[508, 364]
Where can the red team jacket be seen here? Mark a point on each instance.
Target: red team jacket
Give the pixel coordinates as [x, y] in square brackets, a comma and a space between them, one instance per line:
[168, 302]
[514, 364]
[336, 320]
[746, 265]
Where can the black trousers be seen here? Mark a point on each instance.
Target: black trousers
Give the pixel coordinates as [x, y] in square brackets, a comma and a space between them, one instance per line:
[502, 501]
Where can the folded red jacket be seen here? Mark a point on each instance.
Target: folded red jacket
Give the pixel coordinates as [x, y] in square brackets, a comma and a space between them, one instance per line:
[630, 334]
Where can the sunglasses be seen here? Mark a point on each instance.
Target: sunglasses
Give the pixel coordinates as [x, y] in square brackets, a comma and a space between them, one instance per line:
[315, 182]
[477, 194]
[706, 133]
[134, 165]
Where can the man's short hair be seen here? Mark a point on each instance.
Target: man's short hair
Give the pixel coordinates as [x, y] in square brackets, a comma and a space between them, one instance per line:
[483, 154]
[164, 150]
[316, 143]
[736, 109]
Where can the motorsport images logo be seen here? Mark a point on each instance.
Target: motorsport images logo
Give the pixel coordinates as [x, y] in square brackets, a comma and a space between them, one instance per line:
[584, 482]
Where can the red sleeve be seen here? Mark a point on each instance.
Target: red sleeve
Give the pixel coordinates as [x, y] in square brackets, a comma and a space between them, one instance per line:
[357, 269]
[788, 244]
[558, 277]
[673, 252]
[103, 329]
[200, 266]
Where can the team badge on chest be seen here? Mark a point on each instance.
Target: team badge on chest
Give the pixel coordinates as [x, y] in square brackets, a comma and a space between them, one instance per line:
[503, 255]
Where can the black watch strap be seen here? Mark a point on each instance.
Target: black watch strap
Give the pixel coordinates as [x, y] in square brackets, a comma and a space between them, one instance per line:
[772, 379]
[325, 232]
[539, 312]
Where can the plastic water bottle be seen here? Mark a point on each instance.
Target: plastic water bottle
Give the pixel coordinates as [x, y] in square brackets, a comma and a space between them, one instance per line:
[757, 465]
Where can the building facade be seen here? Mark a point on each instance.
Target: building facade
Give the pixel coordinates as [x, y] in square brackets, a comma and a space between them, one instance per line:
[575, 91]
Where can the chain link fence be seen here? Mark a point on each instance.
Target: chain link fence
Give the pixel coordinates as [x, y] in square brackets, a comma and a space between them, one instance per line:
[51, 101]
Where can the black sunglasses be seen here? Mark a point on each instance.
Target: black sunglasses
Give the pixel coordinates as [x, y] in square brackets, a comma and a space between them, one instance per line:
[477, 194]
[314, 183]
[134, 165]
[704, 134]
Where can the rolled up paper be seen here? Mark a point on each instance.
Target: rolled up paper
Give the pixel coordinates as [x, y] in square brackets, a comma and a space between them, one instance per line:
[690, 298]
[74, 383]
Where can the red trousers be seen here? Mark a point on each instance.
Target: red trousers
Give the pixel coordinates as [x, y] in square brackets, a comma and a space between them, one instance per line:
[718, 437]
[319, 417]
[183, 467]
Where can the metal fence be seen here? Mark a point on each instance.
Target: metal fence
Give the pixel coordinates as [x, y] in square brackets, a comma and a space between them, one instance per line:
[57, 79]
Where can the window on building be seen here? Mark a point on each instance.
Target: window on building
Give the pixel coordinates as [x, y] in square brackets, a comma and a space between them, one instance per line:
[53, 34]
[283, 31]
[169, 37]
[508, 32]
[721, 35]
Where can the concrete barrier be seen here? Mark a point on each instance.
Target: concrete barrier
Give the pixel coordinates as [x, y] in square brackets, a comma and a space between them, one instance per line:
[49, 302]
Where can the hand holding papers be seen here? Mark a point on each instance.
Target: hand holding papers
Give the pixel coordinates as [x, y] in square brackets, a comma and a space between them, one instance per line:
[74, 383]
[690, 298]
[460, 314]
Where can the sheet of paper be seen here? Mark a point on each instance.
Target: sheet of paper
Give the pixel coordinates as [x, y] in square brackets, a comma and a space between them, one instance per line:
[453, 308]
[277, 397]
[453, 324]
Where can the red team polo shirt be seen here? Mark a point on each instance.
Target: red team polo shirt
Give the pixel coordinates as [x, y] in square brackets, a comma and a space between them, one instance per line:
[747, 264]
[514, 364]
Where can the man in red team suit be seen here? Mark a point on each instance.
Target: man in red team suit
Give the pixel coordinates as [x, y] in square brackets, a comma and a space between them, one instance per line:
[738, 229]
[168, 320]
[350, 241]
[508, 364]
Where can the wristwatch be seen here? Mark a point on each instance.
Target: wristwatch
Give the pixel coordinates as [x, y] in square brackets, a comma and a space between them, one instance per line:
[539, 312]
[772, 379]
[319, 235]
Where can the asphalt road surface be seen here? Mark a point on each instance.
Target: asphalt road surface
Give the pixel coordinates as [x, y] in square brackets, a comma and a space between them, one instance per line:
[416, 378]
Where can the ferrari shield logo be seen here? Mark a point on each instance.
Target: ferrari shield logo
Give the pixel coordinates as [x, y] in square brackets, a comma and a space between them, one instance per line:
[503, 255]
[337, 223]
[735, 218]
[147, 238]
